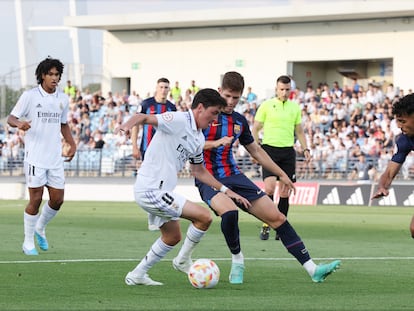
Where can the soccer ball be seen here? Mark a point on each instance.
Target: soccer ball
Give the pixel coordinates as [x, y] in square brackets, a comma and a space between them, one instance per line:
[204, 273]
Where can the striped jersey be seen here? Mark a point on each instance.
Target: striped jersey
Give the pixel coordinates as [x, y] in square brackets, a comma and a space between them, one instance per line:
[220, 161]
[150, 106]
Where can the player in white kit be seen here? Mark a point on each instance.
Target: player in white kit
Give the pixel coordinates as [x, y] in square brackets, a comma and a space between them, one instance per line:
[178, 138]
[42, 113]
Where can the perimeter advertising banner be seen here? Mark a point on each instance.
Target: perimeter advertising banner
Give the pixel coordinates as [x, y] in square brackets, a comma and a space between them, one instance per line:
[344, 194]
[400, 195]
[306, 193]
[314, 193]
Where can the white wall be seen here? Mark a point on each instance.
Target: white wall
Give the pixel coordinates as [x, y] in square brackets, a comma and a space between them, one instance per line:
[204, 54]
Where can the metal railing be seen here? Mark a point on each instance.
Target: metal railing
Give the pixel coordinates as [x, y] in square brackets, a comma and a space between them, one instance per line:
[119, 163]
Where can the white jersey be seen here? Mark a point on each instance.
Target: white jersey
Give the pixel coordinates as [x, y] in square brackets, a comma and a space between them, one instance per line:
[176, 140]
[42, 142]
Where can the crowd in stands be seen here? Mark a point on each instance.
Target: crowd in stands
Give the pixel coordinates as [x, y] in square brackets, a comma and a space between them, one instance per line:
[340, 123]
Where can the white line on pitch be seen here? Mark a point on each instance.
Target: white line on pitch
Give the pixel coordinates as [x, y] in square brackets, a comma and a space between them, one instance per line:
[216, 259]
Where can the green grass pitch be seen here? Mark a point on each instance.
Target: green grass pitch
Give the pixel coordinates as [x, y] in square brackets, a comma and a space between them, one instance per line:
[94, 244]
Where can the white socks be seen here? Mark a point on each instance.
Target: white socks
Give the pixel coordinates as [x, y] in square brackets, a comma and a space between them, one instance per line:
[310, 267]
[158, 251]
[38, 222]
[46, 215]
[192, 238]
[237, 258]
[29, 227]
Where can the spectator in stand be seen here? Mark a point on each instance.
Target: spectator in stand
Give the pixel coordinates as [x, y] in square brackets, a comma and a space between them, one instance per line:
[70, 89]
[153, 105]
[187, 100]
[336, 89]
[134, 102]
[250, 96]
[355, 86]
[176, 92]
[193, 88]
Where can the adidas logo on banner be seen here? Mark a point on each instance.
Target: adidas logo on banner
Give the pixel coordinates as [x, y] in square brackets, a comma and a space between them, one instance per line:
[410, 200]
[356, 198]
[389, 200]
[332, 197]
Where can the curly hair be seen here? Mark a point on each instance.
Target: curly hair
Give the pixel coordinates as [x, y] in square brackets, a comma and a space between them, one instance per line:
[404, 107]
[45, 66]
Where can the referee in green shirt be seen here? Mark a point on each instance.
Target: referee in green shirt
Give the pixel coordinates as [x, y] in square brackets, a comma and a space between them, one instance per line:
[281, 122]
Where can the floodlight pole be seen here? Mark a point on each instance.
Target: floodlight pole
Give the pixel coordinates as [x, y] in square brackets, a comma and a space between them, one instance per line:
[73, 32]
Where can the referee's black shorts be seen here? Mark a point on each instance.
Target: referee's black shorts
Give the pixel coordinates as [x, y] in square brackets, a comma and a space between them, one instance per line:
[285, 157]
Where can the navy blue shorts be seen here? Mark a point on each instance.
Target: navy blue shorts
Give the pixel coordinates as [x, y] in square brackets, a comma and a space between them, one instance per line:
[238, 183]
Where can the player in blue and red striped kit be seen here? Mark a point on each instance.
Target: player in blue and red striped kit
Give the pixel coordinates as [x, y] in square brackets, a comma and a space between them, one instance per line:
[218, 156]
[404, 144]
[152, 105]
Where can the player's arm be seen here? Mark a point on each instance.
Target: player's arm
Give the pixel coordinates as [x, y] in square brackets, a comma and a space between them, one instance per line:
[134, 139]
[14, 121]
[386, 179]
[67, 135]
[202, 174]
[136, 119]
[264, 160]
[223, 141]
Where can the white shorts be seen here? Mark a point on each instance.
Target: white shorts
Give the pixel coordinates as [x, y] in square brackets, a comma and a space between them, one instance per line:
[38, 177]
[162, 206]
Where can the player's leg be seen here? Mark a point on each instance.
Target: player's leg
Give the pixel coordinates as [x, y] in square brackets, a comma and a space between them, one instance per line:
[228, 211]
[35, 181]
[31, 215]
[55, 185]
[170, 236]
[269, 188]
[412, 227]
[201, 219]
[264, 210]
[224, 207]
[166, 208]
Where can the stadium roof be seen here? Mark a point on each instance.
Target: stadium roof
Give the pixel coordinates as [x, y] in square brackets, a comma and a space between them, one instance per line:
[285, 12]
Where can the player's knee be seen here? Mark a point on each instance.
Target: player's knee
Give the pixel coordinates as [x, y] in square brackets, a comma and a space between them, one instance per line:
[279, 219]
[205, 220]
[172, 238]
[56, 204]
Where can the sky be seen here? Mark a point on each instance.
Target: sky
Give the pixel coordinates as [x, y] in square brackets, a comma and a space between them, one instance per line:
[57, 43]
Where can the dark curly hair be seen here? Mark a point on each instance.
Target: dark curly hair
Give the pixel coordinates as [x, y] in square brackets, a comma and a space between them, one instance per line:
[404, 107]
[44, 67]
